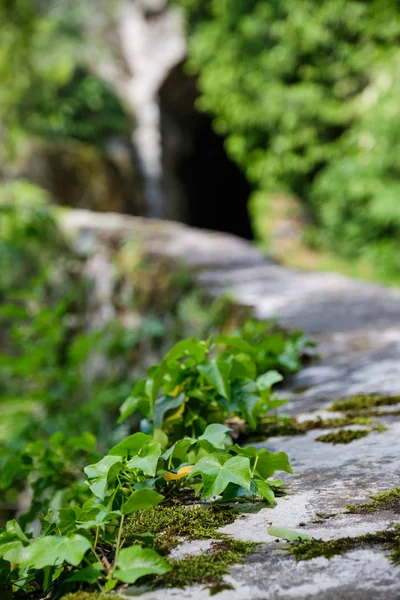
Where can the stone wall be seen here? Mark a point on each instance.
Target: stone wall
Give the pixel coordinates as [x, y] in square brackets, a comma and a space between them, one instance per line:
[357, 329]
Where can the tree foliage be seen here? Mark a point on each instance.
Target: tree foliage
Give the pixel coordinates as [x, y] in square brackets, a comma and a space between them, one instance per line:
[306, 94]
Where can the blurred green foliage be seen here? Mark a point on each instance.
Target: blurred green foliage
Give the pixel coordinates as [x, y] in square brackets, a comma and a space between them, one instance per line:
[46, 89]
[306, 93]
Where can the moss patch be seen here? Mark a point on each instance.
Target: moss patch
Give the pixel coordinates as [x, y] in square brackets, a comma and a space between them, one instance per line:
[389, 540]
[170, 525]
[344, 436]
[207, 568]
[389, 500]
[362, 402]
[275, 426]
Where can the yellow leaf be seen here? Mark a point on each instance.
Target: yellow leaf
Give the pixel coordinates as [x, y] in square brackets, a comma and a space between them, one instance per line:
[183, 472]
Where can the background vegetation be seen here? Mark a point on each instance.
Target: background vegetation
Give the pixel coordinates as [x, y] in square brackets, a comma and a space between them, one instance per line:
[312, 111]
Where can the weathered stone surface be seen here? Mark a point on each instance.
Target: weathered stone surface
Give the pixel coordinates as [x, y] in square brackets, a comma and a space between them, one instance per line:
[358, 328]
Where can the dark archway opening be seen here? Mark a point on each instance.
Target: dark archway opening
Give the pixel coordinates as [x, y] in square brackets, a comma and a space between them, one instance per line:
[203, 186]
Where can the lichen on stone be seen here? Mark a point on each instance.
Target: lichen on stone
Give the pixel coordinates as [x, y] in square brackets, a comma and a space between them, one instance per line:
[389, 500]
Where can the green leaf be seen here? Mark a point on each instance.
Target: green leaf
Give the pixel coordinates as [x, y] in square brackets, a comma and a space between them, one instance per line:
[243, 367]
[147, 458]
[235, 342]
[179, 450]
[263, 489]
[217, 373]
[101, 473]
[85, 442]
[88, 574]
[64, 519]
[249, 451]
[268, 463]
[141, 500]
[190, 347]
[288, 534]
[266, 381]
[54, 550]
[245, 399]
[215, 434]
[163, 405]
[136, 562]
[133, 402]
[13, 529]
[10, 469]
[217, 473]
[96, 517]
[130, 445]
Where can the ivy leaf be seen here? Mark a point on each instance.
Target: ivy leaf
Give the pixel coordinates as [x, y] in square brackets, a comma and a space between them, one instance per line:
[141, 500]
[262, 489]
[133, 402]
[179, 450]
[130, 445]
[95, 517]
[268, 463]
[190, 347]
[163, 405]
[88, 574]
[85, 442]
[217, 373]
[101, 473]
[12, 551]
[13, 529]
[9, 471]
[64, 519]
[245, 398]
[54, 550]
[12, 542]
[235, 342]
[217, 473]
[147, 458]
[136, 562]
[266, 381]
[215, 434]
[243, 367]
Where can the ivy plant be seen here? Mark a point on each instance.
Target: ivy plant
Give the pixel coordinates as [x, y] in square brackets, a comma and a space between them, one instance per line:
[201, 382]
[84, 544]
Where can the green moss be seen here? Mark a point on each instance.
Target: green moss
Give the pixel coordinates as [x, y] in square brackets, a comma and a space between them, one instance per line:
[274, 426]
[344, 436]
[363, 402]
[171, 524]
[389, 500]
[389, 540]
[207, 568]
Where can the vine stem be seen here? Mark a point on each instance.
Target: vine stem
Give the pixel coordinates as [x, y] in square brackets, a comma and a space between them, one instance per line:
[117, 549]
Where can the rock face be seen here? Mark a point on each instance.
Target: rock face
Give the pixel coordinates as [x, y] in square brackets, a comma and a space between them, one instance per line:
[357, 328]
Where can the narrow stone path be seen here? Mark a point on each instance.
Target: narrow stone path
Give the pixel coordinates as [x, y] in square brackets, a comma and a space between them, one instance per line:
[357, 328]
